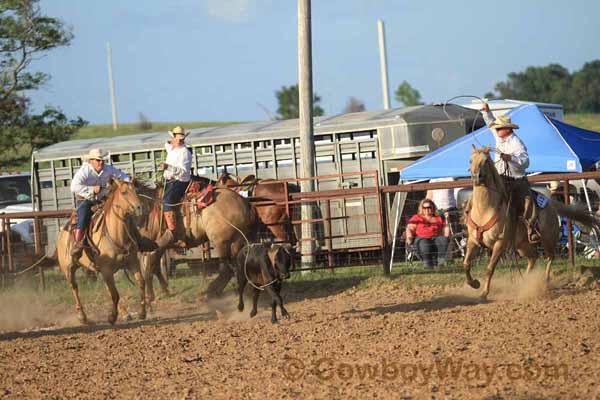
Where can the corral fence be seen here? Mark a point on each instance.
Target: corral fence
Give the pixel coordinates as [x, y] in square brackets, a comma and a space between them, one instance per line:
[352, 219]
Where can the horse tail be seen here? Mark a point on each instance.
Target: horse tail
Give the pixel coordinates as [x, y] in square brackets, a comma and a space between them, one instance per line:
[576, 213]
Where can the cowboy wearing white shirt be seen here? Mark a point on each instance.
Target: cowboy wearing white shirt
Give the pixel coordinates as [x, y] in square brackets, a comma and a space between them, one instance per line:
[511, 161]
[90, 185]
[177, 176]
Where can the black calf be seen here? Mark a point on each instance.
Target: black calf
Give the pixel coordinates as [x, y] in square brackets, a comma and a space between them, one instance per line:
[265, 265]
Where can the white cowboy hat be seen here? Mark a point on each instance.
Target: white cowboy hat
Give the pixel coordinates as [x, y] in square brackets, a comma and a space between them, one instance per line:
[96, 154]
[178, 131]
[503, 121]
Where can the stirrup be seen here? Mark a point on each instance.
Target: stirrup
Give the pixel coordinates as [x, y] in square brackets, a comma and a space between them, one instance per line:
[533, 236]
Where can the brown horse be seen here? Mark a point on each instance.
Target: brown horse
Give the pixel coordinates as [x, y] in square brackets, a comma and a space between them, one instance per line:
[116, 238]
[272, 214]
[492, 221]
[227, 224]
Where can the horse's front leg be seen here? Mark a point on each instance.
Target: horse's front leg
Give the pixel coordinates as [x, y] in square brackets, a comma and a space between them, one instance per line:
[146, 262]
[109, 281]
[141, 282]
[497, 251]
[471, 250]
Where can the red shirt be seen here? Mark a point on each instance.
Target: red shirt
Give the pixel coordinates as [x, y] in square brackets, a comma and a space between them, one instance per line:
[427, 229]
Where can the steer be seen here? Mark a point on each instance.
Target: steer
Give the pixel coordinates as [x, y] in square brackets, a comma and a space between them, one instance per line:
[265, 266]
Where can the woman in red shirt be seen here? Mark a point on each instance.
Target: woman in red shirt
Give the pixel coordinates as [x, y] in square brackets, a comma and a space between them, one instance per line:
[429, 234]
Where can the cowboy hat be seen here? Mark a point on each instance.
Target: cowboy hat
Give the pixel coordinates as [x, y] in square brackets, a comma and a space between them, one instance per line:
[503, 121]
[178, 130]
[96, 154]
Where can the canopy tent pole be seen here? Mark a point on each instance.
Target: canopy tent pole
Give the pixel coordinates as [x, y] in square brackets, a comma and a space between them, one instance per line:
[396, 222]
[587, 200]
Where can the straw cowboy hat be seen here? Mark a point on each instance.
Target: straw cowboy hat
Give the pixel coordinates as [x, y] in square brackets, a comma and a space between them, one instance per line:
[178, 131]
[503, 121]
[96, 154]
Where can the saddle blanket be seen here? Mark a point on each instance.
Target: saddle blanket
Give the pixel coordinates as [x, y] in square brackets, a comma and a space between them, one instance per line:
[541, 200]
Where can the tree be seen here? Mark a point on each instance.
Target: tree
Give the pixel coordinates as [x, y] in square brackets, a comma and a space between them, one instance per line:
[354, 105]
[585, 89]
[27, 35]
[548, 84]
[288, 99]
[408, 96]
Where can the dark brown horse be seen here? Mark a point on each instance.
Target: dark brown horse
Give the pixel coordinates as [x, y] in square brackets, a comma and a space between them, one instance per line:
[269, 196]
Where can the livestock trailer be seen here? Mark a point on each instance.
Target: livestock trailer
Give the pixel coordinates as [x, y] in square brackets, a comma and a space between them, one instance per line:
[372, 140]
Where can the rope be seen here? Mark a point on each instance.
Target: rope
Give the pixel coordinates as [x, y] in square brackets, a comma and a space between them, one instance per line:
[32, 266]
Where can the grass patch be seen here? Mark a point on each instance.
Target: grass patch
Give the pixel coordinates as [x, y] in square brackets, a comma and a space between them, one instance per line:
[187, 285]
[585, 121]
[106, 130]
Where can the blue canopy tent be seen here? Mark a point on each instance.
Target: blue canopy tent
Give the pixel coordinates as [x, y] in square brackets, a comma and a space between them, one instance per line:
[553, 146]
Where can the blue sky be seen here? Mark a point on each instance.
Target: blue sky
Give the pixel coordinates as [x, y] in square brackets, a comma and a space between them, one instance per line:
[217, 60]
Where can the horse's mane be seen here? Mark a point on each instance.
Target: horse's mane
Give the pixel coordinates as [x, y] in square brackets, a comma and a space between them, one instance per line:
[497, 180]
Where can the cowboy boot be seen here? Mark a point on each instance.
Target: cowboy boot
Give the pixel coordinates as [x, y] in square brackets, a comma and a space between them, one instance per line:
[168, 237]
[77, 249]
[180, 231]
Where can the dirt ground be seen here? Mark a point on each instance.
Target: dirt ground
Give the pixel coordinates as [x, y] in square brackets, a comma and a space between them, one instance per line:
[386, 340]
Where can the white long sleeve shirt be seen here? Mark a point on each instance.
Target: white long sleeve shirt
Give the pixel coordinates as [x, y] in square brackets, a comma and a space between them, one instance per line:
[86, 178]
[512, 145]
[179, 163]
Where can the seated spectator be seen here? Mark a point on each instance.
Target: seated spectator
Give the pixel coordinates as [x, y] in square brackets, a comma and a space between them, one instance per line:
[428, 233]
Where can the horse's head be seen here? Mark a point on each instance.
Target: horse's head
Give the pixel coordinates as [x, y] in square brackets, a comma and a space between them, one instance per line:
[226, 180]
[481, 165]
[125, 198]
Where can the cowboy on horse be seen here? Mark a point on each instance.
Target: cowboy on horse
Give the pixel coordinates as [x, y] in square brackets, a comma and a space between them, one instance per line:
[90, 186]
[511, 160]
[177, 173]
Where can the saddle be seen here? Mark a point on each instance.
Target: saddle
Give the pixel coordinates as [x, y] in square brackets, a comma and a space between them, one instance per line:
[203, 196]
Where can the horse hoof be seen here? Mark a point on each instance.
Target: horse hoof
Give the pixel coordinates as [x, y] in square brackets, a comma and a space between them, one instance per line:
[483, 296]
[286, 315]
[240, 307]
[474, 284]
[127, 317]
[274, 321]
[82, 318]
[252, 313]
[112, 319]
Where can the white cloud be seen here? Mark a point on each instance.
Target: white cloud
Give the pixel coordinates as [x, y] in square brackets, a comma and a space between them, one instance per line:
[229, 10]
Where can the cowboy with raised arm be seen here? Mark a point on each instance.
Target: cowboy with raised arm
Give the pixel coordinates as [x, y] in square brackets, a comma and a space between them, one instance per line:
[177, 176]
[511, 160]
[90, 186]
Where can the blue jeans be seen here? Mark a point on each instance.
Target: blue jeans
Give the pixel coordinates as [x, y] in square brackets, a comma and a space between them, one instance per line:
[84, 213]
[432, 250]
[174, 192]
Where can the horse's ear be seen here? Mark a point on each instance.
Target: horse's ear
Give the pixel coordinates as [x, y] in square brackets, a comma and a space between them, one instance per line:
[473, 148]
[112, 184]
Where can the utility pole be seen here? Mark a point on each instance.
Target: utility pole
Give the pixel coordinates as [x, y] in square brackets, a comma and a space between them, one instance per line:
[307, 147]
[383, 63]
[111, 84]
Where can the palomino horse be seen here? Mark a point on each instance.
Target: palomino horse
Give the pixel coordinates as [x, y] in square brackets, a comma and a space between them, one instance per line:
[274, 216]
[116, 239]
[492, 221]
[228, 223]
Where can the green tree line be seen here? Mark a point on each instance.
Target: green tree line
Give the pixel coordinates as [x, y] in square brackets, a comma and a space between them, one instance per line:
[578, 92]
